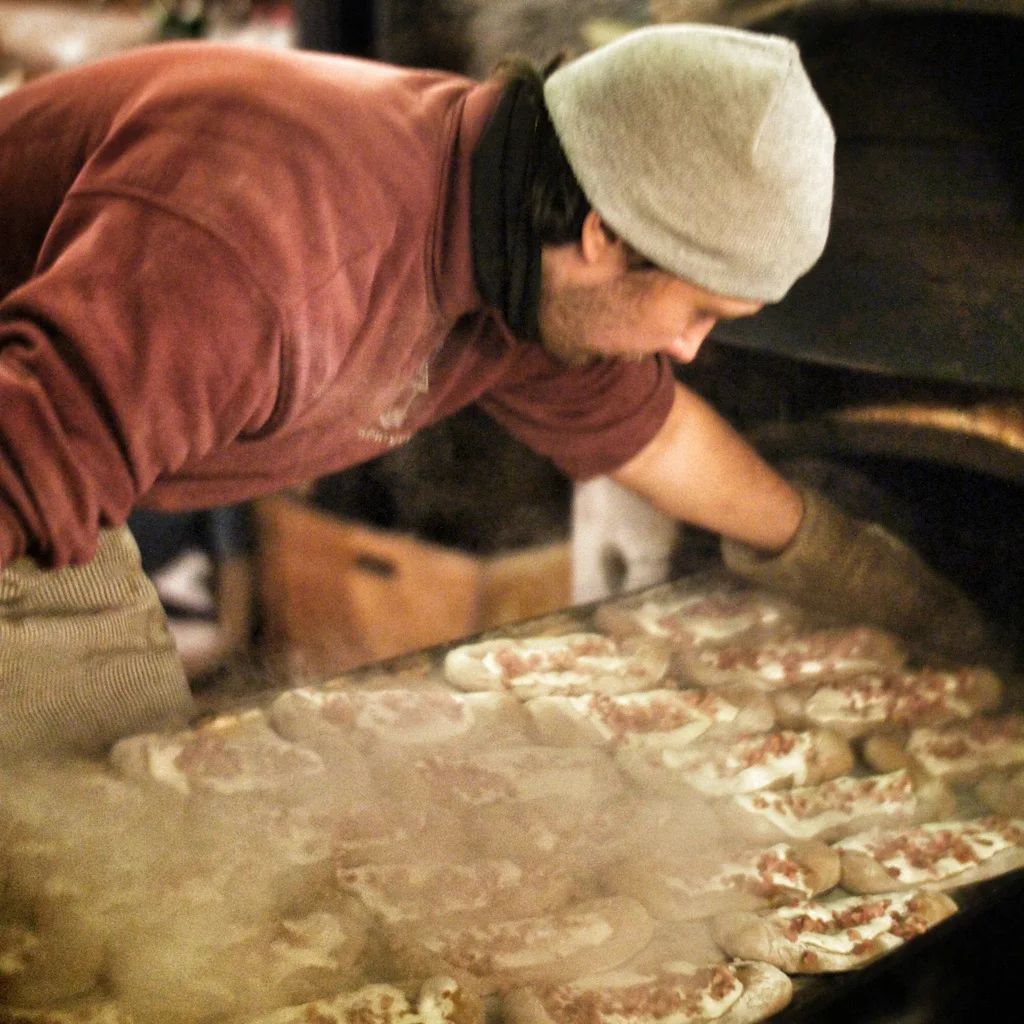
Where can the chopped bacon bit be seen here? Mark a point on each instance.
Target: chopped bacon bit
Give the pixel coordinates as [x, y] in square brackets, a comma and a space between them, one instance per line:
[624, 716]
[844, 794]
[905, 921]
[923, 848]
[908, 698]
[515, 661]
[797, 658]
[666, 995]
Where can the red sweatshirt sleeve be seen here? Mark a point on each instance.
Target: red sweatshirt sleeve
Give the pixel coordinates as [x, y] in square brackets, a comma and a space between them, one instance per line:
[588, 420]
[139, 343]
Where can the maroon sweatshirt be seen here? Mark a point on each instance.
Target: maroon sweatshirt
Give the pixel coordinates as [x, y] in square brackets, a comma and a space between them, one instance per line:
[224, 271]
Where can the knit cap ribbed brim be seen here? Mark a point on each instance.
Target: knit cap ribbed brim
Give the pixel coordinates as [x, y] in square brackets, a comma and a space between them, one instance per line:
[706, 149]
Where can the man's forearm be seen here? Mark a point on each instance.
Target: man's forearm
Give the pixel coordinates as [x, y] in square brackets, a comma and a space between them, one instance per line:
[699, 470]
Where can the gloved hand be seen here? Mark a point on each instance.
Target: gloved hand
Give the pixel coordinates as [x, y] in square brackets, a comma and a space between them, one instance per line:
[85, 653]
[855, 571]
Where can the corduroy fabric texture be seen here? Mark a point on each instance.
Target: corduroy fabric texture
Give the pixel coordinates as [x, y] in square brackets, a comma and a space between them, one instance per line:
[707, 149]
[858, 572]
[85, 653]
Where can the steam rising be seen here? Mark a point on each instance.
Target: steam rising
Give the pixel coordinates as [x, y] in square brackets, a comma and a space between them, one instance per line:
[186, 909]
[191, 902]
[209, 876]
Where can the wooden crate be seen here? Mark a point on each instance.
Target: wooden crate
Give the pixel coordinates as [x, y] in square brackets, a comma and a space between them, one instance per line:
[336, 594]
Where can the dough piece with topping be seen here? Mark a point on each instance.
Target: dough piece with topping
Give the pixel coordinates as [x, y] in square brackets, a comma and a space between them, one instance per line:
[378, 831]
[935, 855]
[588, 836]
[686, 616]
[960, 753]
[689, 888]
[659, 718]
[547, 949]
[881, 701]
[529, 772]
[231, 755]
[841, 935]
[403, 719]
[569, 665]
[677, 993]
[440, 1001]
[806, 659]
[479, 889]
[837, 808]
[776, 761]
[208, 949]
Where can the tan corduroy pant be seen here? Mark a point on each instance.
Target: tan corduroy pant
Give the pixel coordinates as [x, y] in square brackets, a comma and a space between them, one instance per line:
[85, 653]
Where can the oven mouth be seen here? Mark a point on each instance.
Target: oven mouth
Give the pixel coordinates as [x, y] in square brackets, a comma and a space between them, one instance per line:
[921, 276]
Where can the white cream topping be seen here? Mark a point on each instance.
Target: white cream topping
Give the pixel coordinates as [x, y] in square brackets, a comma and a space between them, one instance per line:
[609, 715]
[733, 875]
[708, 617]
[409, 717]
[436, 1002]
[776, 672]
[828, 705]
[841, 800]
[701, 627]
[397, 715]
[846, 940]
[981, 842]
[375, 1004]
[725, 771]
[705, 1006]
[162, 764]
[242, 754]
[568, 680]
[872, 699]
[372, 1004]
[406, 892]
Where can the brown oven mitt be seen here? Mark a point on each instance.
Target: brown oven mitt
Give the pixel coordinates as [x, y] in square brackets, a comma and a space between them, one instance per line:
[85, 653]
[854, 571]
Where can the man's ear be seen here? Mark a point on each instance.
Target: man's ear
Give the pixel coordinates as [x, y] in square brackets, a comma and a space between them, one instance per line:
[598, 242]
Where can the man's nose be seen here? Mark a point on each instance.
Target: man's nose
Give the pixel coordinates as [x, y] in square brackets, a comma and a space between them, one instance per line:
[685, 347]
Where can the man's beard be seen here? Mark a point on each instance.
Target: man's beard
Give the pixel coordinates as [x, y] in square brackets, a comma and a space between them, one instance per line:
[570, 315]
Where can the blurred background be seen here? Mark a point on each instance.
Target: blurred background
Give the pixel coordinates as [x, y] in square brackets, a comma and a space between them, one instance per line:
[891, 376]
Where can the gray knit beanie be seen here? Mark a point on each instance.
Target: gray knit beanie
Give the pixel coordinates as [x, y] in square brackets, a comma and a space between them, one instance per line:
[706, 149]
